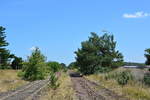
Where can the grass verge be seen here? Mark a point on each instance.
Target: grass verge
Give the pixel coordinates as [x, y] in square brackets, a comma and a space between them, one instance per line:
[63, 92]
[9, 80]
[133, 90]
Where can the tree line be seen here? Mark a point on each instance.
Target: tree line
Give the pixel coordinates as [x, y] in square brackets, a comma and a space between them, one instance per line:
[97, 54]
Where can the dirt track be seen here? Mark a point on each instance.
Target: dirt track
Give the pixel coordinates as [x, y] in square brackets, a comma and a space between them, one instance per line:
[87, 90]
[26, 92]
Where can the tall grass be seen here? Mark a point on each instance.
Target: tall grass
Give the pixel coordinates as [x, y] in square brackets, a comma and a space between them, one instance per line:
[134, 90]
[9, 80]
[63, 92]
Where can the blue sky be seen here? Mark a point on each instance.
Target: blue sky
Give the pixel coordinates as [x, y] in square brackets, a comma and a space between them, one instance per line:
[59, 26]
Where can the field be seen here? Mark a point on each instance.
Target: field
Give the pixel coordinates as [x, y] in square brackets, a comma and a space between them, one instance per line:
[9, 80]
[134, 90]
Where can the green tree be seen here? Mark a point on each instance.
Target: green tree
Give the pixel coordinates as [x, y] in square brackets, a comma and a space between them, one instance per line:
[35, 67]
[54, 66]
[72, 65]
[63, 65]
[4, 53]
[147, 55]
[97, 52]
[17, 63]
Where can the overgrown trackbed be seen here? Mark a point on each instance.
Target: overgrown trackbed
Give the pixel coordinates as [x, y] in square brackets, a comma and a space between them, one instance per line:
[29, 91]
[87, 90]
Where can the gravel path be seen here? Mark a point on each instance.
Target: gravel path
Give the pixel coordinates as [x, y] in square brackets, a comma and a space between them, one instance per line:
[28, 91]
[87, 90]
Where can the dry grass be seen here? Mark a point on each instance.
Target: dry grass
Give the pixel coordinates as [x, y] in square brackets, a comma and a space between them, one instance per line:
[133, 90]
[9, 80]
[63, 92]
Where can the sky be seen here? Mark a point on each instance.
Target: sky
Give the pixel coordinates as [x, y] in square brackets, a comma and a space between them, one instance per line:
[58, 27]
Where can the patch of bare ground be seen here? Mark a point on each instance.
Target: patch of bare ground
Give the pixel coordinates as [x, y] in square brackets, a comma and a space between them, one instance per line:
[29, 91]
[88, 90]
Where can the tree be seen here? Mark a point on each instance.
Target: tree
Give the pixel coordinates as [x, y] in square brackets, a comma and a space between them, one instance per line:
[17, 63]
[4, 53]
[72, 65]
[2, 37]
[97, 52]
[147, 55]
[63, 65]
[54, 66]
[35, 67]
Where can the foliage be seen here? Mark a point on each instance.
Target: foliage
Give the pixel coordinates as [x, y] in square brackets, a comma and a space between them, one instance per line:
[4, 53]
[64, 67]
[72, 65]
[147, 55]
[53, 81]
[2, 37]
[98, 51]
[20, 74]
[5, 67]
[133, 90]
[54, 66]
[5, 56]
[146, 79]
[111, 75]
[124, 77]
[35, 67]
[103, 69]
[17, 63]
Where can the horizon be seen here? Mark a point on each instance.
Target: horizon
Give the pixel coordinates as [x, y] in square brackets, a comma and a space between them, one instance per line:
[58, 27]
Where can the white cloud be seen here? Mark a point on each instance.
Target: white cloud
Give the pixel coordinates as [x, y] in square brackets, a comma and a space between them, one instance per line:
[33, 48]
[140, 14]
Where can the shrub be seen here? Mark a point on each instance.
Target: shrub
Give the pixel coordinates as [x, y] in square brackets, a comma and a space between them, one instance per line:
[53, 81]
[5, 67]
[65, 70]
[54, 66]
[146, 79]
[20, 74]
[35, 67]
[111, 75]
[103, 69]
[149, 69]
[124, 77]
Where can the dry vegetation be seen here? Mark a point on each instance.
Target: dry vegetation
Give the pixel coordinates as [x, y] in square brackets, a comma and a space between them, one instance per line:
[134, 90]
[9, 80]
[63, 92]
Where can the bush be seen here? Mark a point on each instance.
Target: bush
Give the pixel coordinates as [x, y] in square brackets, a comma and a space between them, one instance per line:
[111, 75]
[149, 69]
[20, 74]
[65, 70]
[124, 77]
[103, 69]
[35, 67]
[5, 67]
[54, 66]
[53, 81]
[146, 79]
